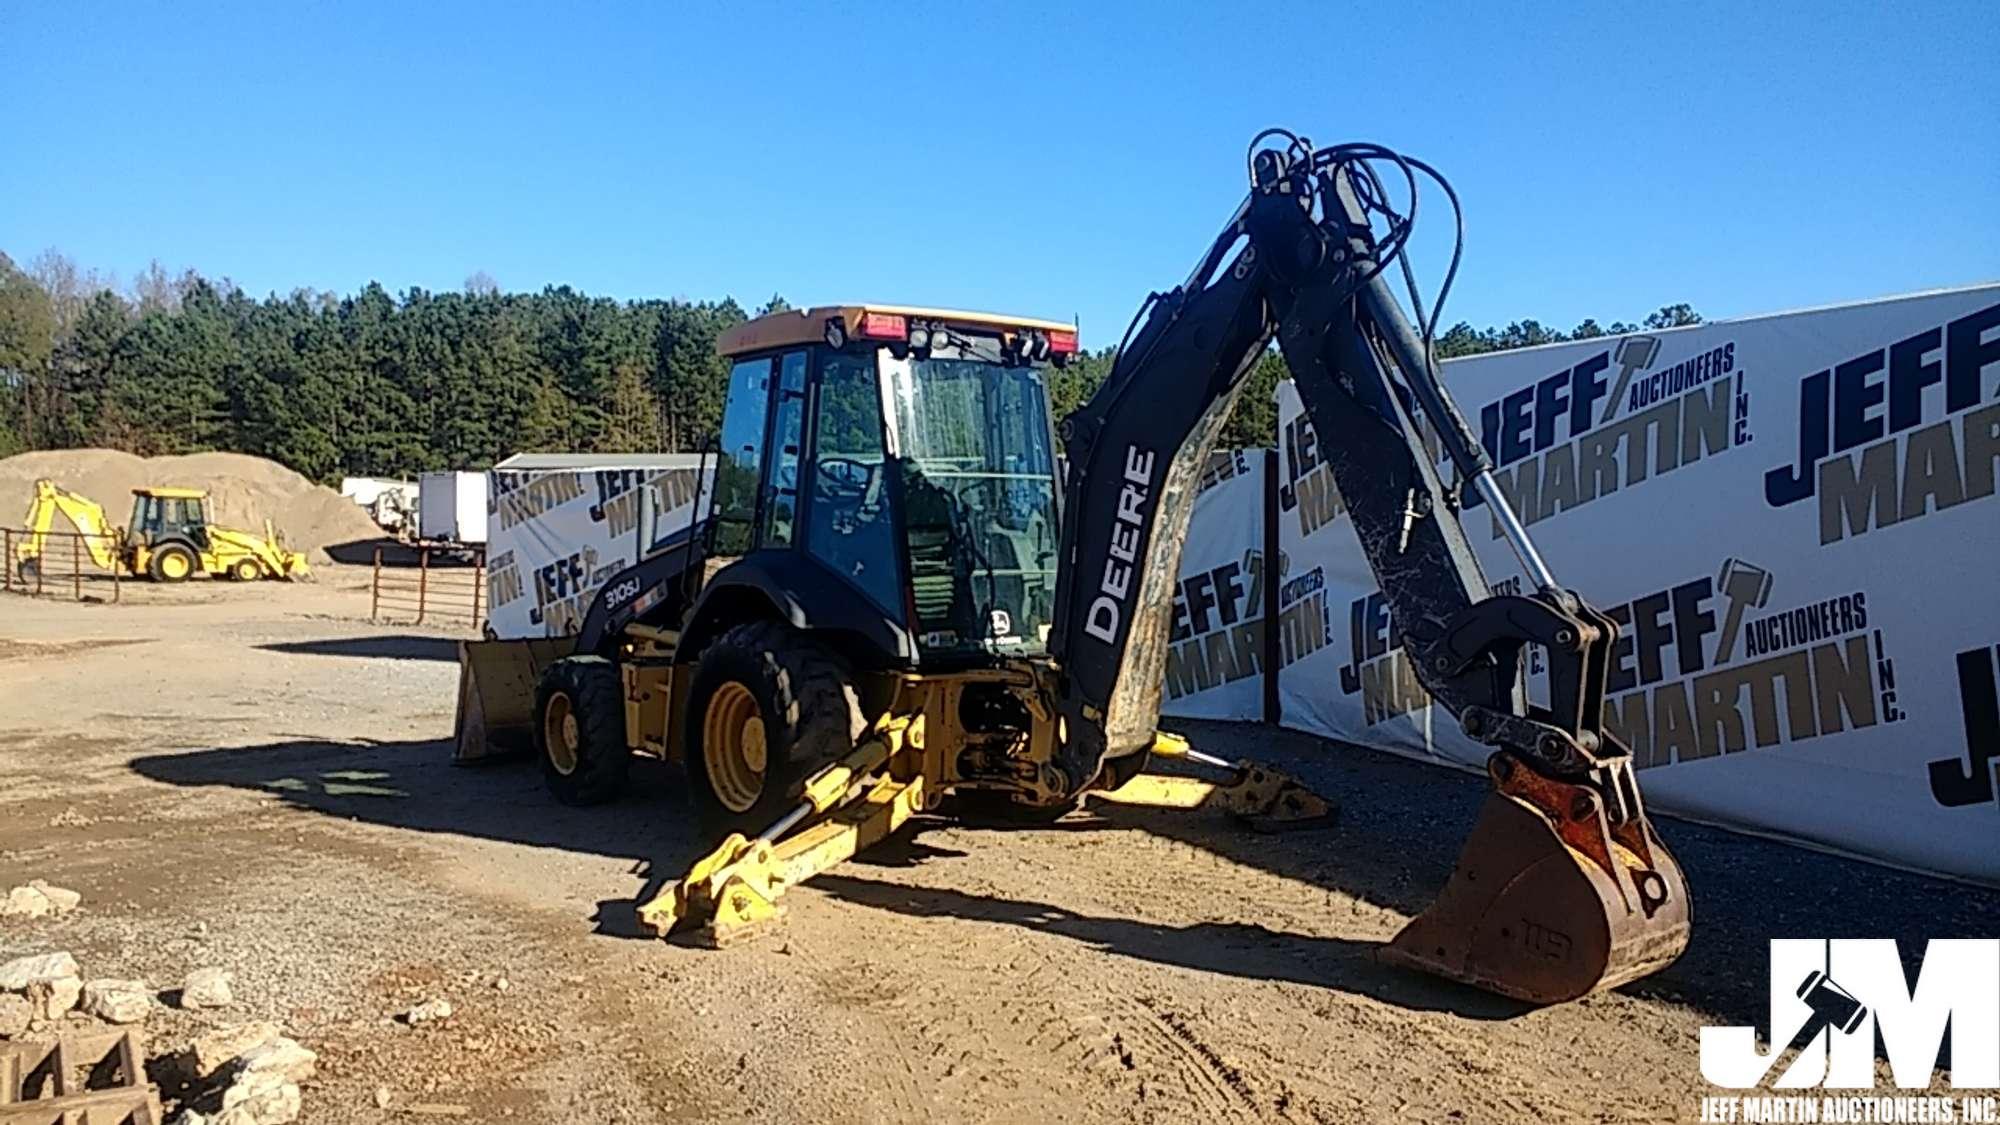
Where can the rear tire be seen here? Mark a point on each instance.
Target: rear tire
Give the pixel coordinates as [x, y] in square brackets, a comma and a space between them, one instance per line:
[171, 563]
[580, 730]
[768, 707]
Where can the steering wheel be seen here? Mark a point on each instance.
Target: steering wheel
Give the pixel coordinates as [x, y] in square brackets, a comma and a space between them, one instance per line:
[844, 478]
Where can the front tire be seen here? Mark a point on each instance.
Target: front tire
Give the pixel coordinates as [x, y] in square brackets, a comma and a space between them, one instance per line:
[246, 570]
[171, 563]
[580, 730]
[768, 707]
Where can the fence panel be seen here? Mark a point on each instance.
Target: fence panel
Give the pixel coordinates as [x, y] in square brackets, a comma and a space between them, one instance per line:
[59, 564]
[445, 588]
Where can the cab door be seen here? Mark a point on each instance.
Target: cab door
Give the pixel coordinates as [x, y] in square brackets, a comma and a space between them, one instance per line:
[849, 502]
[756, 475]
[194, 521]
[779, 504]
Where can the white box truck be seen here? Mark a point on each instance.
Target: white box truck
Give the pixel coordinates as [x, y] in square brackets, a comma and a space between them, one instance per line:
[451, 508]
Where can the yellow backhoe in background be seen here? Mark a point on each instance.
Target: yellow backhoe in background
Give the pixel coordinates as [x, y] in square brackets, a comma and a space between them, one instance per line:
[169, 539]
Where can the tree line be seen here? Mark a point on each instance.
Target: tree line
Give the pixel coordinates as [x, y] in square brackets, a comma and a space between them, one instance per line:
[382, 384]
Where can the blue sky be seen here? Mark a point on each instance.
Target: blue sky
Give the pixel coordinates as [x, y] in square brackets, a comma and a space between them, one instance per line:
[1049, 161]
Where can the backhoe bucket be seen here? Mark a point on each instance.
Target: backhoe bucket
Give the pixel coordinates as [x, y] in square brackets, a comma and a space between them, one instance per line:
[1550, 901]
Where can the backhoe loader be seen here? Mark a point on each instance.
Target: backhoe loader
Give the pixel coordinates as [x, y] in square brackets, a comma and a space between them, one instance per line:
[897, 604]
[170, 537]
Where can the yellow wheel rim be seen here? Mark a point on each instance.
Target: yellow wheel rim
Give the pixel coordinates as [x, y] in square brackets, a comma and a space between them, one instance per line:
[175, 565]
[733, 748]
[561, 734]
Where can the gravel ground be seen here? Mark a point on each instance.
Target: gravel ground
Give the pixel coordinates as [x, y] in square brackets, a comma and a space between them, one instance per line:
[254, 777]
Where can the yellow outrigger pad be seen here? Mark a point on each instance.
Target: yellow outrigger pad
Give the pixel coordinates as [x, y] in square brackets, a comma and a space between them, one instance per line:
[1262, 798]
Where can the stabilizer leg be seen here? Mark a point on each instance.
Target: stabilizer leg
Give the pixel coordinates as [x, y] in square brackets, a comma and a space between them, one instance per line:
[733, 892]
[1262, 798]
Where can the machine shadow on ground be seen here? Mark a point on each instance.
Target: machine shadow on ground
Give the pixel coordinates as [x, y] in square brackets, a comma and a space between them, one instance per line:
[1396, 839]
[1229, 948]
[398, 554]
[414, 785]
[1401, 824]
[395, 646]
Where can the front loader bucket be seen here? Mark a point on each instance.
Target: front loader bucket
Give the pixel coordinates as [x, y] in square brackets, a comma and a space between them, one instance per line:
[1550, 901]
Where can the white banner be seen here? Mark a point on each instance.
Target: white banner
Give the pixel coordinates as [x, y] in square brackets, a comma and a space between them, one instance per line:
[1793, 518]
[1215, 664]
[555, 536]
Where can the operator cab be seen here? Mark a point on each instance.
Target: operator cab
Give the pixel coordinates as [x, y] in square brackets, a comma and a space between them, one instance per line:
[161, 515]
[906, 455]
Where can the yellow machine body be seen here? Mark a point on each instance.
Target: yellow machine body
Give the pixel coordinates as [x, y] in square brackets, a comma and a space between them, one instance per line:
[169, 539]
[800, 754]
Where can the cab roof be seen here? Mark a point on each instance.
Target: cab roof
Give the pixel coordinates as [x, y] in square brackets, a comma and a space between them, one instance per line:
[808, 326]
[172, 493]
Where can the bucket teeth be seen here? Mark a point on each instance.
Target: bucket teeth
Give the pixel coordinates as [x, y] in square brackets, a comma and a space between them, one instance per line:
[1548, 904]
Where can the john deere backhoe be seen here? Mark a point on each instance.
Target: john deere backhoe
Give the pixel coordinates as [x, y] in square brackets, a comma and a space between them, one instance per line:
[170, 537]
[894, 600]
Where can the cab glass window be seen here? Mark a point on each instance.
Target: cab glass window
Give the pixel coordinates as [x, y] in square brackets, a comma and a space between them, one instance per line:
[852, 529]
[744, 419]
[979, 500]
[781, 485]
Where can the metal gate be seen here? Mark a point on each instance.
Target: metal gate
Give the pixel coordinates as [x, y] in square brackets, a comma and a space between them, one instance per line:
[445, 587]
[59, 564]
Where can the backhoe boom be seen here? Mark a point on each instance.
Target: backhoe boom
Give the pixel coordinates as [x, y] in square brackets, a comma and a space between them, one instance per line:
[1301, 262]
[99, 537]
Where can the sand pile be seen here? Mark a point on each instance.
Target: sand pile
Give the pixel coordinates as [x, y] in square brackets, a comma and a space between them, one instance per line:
[243, 492]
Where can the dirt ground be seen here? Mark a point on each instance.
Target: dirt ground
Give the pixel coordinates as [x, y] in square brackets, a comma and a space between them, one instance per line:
[254, 776]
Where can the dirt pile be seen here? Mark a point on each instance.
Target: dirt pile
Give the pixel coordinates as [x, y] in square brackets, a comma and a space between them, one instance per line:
[243, 491]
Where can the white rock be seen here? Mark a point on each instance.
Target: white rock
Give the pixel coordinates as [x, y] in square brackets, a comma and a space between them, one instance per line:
[217, 1049]
[190, 1117]
[207, 988]
[61, 900]
[16, 974]
[25, 902]
[259, 1103]
[427, 1011]
[15, 1015]
[278, 1059]
[118, 1001]
[52, 998]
